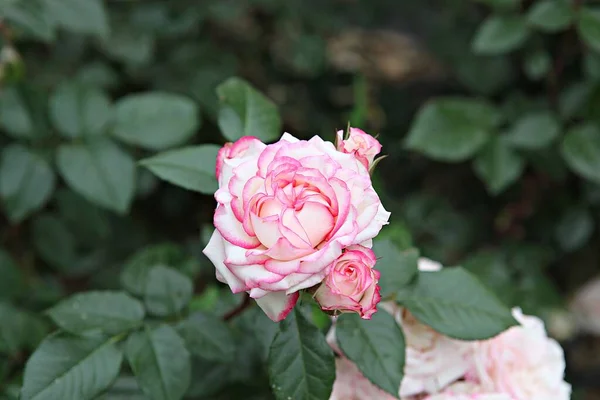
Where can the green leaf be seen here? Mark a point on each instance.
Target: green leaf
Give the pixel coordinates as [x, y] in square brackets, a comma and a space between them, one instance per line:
[136, 269]
[574, 228]
[501, 4]
[397, 268]
[14, 114]
[156, 120]
[550, 15]
[100, 171]
[208, 337]
[71, 368]
[573, 100]
[537, 64]
[498, 165]
[377, 347]
[12, 282]
[31, 16]
[54, 242]
[456, 304]
[167, 291]
[78, 111]
[534, 131]
[91, 312]
[301, 363]
[191, 167]
[500, 34]
[588, 24]
[581, 150]
[160, 362]
[452, 128]
[89, 223]
[246, 112]
[26, 182]
[129, 45]
[79, 16]
[20, 330]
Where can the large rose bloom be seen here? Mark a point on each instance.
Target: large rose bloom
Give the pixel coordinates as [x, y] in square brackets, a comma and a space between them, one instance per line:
[350, 384]
[285, 212]
[522, 362]
[467, 391]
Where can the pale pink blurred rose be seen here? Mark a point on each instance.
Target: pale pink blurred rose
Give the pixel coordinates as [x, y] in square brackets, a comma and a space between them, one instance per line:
[351, 285]
[586, 307]
[362, 145]
[350, 384]
[522, 362]
[467, 391]
[285, 212]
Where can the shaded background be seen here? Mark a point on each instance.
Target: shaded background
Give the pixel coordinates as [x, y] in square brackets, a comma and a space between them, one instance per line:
[323, 63]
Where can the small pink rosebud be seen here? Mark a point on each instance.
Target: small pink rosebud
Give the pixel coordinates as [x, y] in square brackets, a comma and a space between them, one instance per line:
[364, 146]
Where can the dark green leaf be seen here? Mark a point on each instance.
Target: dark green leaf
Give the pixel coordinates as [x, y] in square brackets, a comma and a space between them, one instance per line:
[501, 4]
[20, 330]
[588, 24]
[80, 16]
[167, 291]
[78, 111]
[155, 120]
[160, 362]
[26, 182]
[534, 131]
[91, 312]
[573, 99]
[14, 114]
[100, 171]
[456, 304]
[500, 34]
[452, 129]
[129, 45]
[498, 165]
[89, 223]
[71, 368]
[537, 64]
[581, 150]
[375, 346]
[550, 15]
[192, 167]
[31, 16]
[574, 228]
[12, 281]
[301, 363]
[54, 242]
[397, 268]
[246, 112]
[208, 337]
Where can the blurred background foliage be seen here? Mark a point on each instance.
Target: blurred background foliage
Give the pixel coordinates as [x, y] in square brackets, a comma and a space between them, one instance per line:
[487, 109]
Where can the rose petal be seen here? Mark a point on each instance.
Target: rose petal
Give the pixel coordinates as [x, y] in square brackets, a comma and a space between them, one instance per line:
[277, 305]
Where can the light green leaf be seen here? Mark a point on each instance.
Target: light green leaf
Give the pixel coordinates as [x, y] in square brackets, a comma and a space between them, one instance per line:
[397, 268]
[534, 131]
[301, 363]
[71, 368]
[91, 312]
[208, 337]
[581, 150]
[131, 46]
[167, 291]
[160, 362]
[100, 171]
[79, 16]
[550, 15]
[500, 34]
[588, 24]
[191, 167]
[456, 304]
[246, 112]
[26, 182]
[377, 348]
[54, 242]
[78, 111]
[574, 228]
[498, 165]
[452, 128]
[155, 120]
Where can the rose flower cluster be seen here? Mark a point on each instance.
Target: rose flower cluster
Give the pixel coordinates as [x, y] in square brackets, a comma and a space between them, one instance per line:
[522, 363]
[297, 215]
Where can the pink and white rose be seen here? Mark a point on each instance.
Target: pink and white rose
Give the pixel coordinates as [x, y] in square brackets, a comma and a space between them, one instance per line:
[362, 145]
[351, 285]
[467, 391]
[522, 362]
[350, 384]
[586, 307]
[285, 212]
